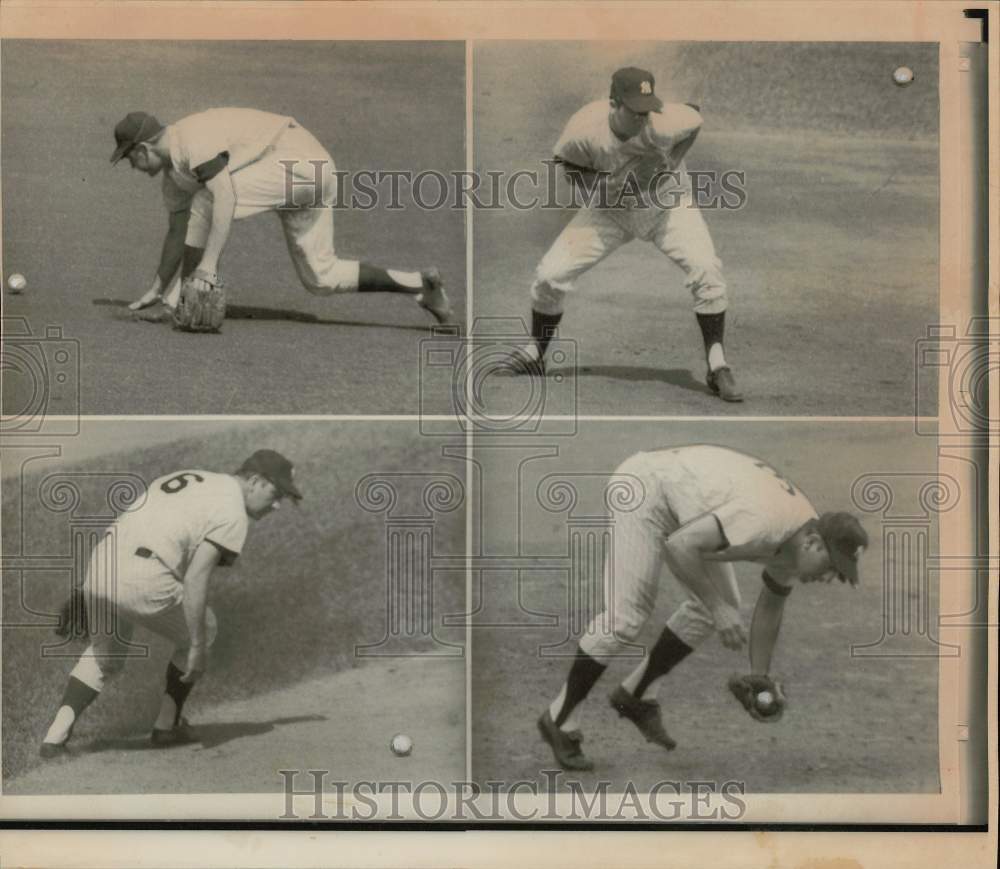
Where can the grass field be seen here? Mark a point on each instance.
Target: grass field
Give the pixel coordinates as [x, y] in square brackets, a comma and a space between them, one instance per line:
[854, 724]
[309, 586]
[87, 236]
[832, 263]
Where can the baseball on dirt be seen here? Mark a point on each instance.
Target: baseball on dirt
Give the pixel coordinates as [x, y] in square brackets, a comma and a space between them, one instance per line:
[401, 745]
[765, 701]
[17, 283]
[903, 76]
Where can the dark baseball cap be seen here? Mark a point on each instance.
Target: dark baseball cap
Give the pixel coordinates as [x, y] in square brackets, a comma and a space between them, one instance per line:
[134, 128]
[635, 87]
[274, 468]
[845, 540]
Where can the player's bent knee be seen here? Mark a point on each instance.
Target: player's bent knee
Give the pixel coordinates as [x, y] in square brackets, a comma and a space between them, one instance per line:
[710, 297]
[546, 298]
[711, 306]
[95, 668]
[606, 638]
[692, 623]
[600, 647]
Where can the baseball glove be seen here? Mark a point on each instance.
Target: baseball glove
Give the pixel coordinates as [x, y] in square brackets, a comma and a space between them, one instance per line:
[202, 303]
[73, 616]
[747, 688]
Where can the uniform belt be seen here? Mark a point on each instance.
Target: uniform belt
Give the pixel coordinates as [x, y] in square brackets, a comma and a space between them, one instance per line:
[143, 552]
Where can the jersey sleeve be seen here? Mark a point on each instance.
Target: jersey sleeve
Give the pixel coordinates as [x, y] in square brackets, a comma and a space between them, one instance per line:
[206, 171]
[741, 524]
[574, 145]
[204, 148]
[675, 123]
[229, 535]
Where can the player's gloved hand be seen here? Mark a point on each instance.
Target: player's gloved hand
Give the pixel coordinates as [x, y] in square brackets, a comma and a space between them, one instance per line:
[201, 306]
[73, 616]
[747, 689]
[197, 661]
[729, 625]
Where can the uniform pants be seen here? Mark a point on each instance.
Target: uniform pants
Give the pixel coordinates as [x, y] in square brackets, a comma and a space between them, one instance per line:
[593, 233]
[632, 576]
[124, 590]
[299, 168]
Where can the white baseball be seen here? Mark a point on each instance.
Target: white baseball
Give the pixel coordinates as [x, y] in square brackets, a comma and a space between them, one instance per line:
[17, 283]
[903, 76]
[401, 745]
[765, 700]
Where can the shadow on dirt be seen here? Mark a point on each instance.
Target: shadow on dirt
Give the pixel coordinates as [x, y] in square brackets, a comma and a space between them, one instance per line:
[682, 378]
[249, 312]
[208, 735]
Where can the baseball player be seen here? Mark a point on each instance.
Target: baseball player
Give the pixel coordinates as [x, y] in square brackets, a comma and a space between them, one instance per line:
[627, 164]
[227, 164]
[702, 508]
[152, 568]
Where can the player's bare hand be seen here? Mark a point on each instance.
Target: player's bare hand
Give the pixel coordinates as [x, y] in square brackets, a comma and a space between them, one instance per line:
[197, 661]
[199, 283]
[150, 298]
[730, 626]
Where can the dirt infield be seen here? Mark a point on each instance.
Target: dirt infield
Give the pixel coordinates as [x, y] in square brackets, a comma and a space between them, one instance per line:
[87, 236]
[854, 723]
[341, 723]
[831, 263]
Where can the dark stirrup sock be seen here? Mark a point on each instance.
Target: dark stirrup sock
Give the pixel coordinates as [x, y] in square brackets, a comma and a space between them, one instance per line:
[582, 676]
[543, 329]
[668, 652]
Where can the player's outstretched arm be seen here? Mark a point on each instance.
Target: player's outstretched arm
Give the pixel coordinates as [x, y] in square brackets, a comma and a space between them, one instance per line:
[205, 558]
[764, 628]
[223, 209]
[171, 255]
[679, 151]
[173, 247]
[685, 552]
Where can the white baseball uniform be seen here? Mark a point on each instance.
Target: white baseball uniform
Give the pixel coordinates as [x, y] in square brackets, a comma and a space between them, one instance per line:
[757, 511]
[671, 220]
[269, 157]
[136, 572]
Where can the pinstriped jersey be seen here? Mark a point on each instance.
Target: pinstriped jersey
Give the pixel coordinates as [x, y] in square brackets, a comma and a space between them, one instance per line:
[182, 510]
[201, 144]
[756, 507]
[589, 141]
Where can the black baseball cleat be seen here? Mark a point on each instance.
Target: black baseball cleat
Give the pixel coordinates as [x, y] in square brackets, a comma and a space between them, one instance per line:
[524, 362]
[434, 299]
[721, 382]
[180, 734]
[565, 745]
[644, 714]
[51, 750]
